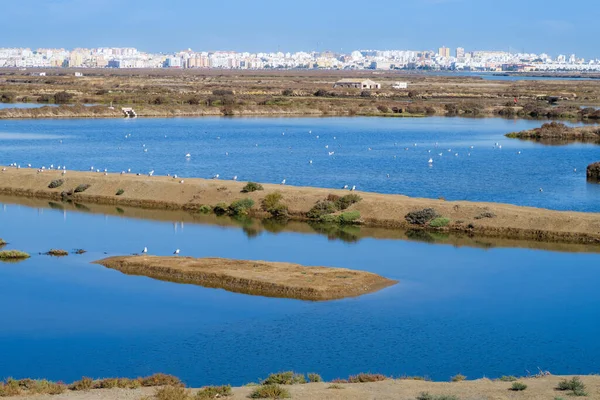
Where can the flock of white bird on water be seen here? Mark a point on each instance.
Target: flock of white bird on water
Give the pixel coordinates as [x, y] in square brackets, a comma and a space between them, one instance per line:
[188, 156]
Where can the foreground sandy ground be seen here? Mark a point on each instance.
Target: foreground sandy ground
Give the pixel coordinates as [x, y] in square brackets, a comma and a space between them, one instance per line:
[537, 389]
[383, 210]
[273, 279]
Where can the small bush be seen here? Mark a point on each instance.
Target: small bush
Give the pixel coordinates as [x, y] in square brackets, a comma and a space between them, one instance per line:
[271, 391]
[439, 222]
[9, 388]
[84, 384]
[2, 242]
[364, 378]
[315, 378]
[221, 209]
[322, 207]
[486, 214]
[82, 188]
[421, 217]
[574, 384]
[214, 392]
[108, 383]
[350, 217]
[335, 386]
[284, 378]
[161, 380]
[241, 207]
[57, 253]
[56, 183]
[270, 201]
[120, 192]
[252, 187]
[458, 378]
[172, 393]
[508, 378]
[13, 255]
[79, 251]
[346, 201]
[205, 209]
[518, 386]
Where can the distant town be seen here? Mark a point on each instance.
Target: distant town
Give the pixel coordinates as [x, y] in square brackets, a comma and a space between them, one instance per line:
[445, 58]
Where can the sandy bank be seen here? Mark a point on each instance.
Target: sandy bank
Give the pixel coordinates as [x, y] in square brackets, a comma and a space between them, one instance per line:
[537, 389]
[376, 210]
[271, 279]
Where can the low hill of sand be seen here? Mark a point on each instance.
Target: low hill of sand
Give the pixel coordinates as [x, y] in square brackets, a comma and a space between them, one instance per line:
[271, 279]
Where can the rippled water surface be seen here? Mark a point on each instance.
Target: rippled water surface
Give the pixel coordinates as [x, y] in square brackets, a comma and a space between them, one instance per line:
[455, 309]
[365, 151]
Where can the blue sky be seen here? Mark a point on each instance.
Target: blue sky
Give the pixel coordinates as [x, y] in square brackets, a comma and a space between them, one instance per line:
[552, 26]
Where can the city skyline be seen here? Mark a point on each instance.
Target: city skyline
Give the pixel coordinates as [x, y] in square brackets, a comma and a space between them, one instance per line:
[532, 27]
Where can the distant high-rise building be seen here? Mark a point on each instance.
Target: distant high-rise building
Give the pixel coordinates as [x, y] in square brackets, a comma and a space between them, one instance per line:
[444, 52]
[460, 52]
[572, 59]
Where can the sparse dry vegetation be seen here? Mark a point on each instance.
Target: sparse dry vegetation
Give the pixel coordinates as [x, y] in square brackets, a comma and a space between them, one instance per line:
[9, 255]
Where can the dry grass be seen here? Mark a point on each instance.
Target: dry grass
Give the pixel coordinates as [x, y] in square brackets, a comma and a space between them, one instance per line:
[11, 255]
[172, 393]
[214, 392]
[458, 378]
[284, 378]
[161, 380]
[270, 391]
[253, 277]
[57, 253]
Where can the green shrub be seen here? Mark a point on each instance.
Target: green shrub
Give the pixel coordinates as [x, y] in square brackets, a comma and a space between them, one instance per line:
[214, 392]
[421, 217]
[574, 384]
[458, 378]
[518, 386]
[322, 207]
[271, 391]
[439, 222]
[205, 209]
[272, 204]
[161, 380]
[509, 378]
[252, 187]
[172, 393]
[241, 207]
[315, 378]
[13, 255]
[221, 209]
[346, 201]
[82, 188]
[284, 378]
[56, 183]
[120, 192]
[84, 384]
[350, 217]
[9, 388]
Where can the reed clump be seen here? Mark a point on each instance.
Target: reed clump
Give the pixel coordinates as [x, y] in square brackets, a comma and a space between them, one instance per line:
[12, 255]
[57, 253]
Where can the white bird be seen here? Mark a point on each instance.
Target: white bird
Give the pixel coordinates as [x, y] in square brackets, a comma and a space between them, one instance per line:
[283, 182]
[574, 169]
[128, 169]
[3, 169]
[181, 181]
[216, 176]
[235, 178]
[541, 190]
[64, 172]
[188, 155]
[174, 176]
[370, 149]
[283, 134]
[441, 154]
[145, 250]
[431, 161]
[331, 153]
[345, 187]
[176, 252]
[388, 175]
[151, 173]
[317, 136]
[353, 188]
[327, 146]
[92, 168]
[145, 150]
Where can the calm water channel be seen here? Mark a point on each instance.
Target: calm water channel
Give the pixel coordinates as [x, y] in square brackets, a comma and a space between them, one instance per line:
[364, 151]
[464, 309]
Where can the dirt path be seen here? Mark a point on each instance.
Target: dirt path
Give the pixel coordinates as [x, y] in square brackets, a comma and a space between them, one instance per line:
[382, 210]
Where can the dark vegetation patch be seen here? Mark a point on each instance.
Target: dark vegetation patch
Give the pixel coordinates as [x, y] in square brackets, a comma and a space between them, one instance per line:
[252, 187]
[421, 217]
[56, 183]
[82, 188]
[57, 253]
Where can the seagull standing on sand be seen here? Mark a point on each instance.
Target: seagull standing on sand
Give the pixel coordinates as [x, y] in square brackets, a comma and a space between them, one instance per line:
[176, 252]
[283, 182]
[145, 250]
[235, 178]
[353, 188]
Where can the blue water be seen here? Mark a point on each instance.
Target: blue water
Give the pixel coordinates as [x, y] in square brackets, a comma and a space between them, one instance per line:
[473, 311]
[270, 150]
